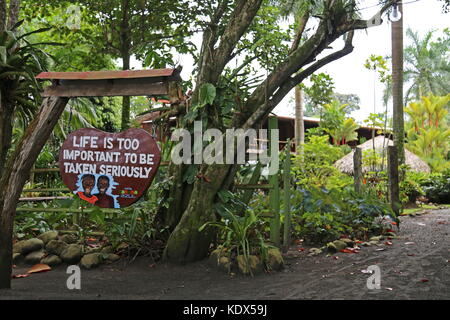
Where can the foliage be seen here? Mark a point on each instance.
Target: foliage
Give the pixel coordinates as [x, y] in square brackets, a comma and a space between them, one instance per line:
[324, 215]
[20, 62]
[240, 235]
[315, 167]
[428, 132]
[427, 68]
[437, 187]
[352, 101]
[411, 185]
[318, 94]
[333, 122]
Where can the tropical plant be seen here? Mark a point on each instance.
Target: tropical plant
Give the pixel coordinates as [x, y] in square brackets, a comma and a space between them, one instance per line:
[20, 62]
[333, 122]
[324, 215]
[316, 168]
[428, 133]
[427, 68]
[240, 235]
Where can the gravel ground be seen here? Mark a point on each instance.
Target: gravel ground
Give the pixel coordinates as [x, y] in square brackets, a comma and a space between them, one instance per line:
[415, 266]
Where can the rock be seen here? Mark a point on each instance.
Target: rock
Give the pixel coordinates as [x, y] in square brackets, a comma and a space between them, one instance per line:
[373, 242]
[215, 256]
[224, 264]
[31, 245]
[17, 258]
[35, 257]
[69, 238]
[348, 242]
[111, 257]
[48, 236]
[314, 251]
[72, 254]
[91, 260]
[274, 259]
[254, 264]
[107, 249]
[56, 247]
[52, 260]
[17, 247]
[336, 246]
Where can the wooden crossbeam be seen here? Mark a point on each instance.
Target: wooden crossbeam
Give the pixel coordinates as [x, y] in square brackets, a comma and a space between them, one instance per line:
[106, 88]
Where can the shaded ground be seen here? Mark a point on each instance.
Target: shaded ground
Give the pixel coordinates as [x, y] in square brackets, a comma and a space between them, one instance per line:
[418, 270]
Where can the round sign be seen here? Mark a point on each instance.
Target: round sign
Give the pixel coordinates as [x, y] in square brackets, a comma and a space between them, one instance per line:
[109, 170]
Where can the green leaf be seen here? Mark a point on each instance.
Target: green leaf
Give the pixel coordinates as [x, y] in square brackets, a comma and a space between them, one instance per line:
[190, 174]
[207, 94]
[3, 53]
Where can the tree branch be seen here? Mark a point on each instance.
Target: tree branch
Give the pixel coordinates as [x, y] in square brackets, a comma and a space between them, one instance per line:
[266, 108]
[302, 21]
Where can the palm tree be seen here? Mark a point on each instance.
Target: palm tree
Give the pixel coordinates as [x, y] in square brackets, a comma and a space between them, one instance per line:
[427, 66]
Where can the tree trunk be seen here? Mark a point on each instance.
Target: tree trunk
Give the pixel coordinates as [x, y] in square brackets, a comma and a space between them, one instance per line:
[125, 45]
[186, 243]
[299, 122]
[397, 86]
[126, 101]
[3, 15]
[14, 9]
[16, 173]
[6, 119]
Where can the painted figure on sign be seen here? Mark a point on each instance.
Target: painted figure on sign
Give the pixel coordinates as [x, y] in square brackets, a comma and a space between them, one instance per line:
[88, 183]
[104, 200]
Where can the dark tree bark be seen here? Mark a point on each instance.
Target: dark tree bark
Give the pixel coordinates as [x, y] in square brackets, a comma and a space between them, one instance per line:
[14, 9]
[3, 15]
[6, 119]
[16, 173]
[125, 48]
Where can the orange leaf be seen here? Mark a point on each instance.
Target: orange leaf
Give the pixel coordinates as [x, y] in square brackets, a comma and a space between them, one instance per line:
[40, 267]
[348, 251]
[388, 243]
[394, 223]
[16, 276]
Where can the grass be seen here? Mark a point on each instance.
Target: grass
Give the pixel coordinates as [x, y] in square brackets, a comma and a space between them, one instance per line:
[424, 207]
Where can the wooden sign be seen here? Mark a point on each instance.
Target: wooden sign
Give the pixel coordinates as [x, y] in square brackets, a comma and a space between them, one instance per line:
[109, 170]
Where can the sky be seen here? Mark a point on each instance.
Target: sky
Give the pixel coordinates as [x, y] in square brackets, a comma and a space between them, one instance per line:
[349, 73]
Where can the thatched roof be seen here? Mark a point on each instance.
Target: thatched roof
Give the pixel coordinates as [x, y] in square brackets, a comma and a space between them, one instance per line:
[345, 164]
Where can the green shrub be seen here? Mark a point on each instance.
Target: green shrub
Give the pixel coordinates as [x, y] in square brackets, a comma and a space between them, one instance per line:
[316, 166]
[437, 187]
[323, 215]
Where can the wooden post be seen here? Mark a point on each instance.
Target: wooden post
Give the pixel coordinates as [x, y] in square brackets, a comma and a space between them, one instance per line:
[287, 198]
[17, 171]
[357, 169]
[274, 193]
[394, 190]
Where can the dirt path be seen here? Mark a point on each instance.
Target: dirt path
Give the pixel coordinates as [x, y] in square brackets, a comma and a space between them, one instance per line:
[415, 266]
